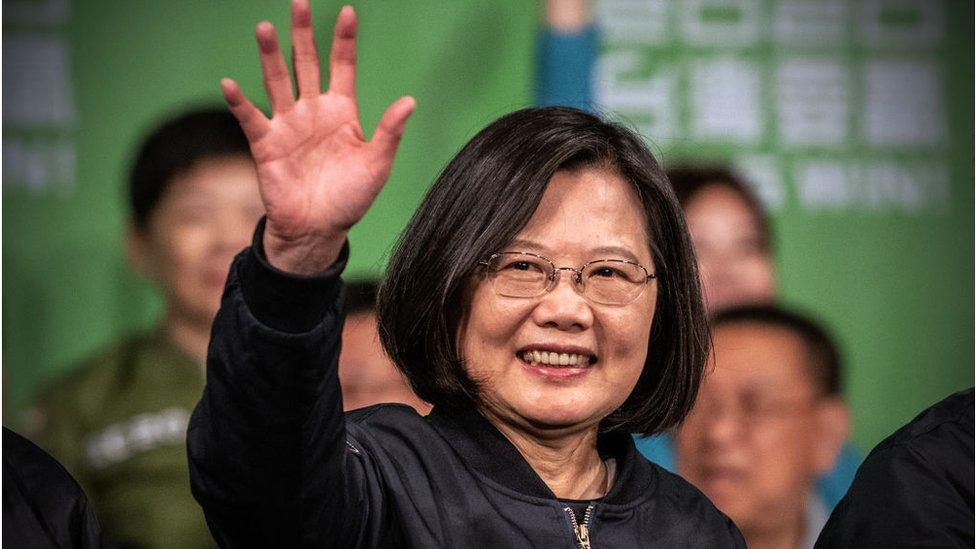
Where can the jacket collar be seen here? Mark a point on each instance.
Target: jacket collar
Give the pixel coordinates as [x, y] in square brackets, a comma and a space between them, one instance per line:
[486, 450]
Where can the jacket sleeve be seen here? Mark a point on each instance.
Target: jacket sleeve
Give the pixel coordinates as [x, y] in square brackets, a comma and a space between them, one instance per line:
[266, 443]
[565, 63]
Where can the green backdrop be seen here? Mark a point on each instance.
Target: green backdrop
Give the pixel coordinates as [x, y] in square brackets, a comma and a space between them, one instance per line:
[83, 81]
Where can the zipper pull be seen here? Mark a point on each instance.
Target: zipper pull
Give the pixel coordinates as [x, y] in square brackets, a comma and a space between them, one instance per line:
[583, 536]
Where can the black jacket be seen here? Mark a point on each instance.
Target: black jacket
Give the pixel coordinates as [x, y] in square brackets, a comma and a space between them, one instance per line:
[915, 489]
[275, 463]
[42, 505]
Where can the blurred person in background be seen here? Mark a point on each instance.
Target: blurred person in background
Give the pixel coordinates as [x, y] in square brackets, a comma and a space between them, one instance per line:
[118, 421]
[768, 421]
[366, 373]
[731, 234]
[734, 247]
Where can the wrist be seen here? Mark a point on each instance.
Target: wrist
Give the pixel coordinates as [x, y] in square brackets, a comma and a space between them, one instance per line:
[302, 255]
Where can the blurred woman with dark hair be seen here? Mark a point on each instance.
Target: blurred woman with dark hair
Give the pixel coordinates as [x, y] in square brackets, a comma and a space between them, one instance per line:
[733, 240]
[536, 378]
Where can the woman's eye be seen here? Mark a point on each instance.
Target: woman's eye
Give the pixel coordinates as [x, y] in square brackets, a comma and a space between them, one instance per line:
[521, 266]
[605, 272]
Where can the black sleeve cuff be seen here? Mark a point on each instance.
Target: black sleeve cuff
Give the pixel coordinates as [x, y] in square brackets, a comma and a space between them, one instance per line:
[288, 302]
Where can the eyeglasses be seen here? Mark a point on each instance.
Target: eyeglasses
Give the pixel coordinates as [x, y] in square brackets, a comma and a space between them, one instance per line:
[604, 281]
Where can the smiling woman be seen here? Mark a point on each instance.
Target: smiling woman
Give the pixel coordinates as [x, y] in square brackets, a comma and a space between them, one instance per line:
[536, 379]
[562, 184]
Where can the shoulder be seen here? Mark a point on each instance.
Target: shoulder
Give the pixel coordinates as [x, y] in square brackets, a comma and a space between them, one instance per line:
[916, 484]
[697, 521]
[35, 472]
[938, 439]
[689, 500]
[394, 433]
[935, 448]
[679, 511]
[386, 421]
[643, 478]
[383, 413]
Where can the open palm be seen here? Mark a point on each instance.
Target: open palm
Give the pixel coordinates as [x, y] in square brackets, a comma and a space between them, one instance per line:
[317, 173]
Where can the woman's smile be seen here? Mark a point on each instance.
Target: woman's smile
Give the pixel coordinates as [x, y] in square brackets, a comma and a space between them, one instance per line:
[558, 362]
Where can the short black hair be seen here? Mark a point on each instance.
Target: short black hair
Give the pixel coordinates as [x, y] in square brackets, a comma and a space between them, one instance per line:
[360, 296]
[823, 358]
[690, 179]
[174, 147]
[479, 203]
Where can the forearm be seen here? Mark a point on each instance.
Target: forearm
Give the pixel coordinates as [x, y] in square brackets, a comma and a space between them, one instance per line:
[269, 430]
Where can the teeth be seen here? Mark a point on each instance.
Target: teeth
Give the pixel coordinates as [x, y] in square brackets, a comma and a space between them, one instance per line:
[555, 359]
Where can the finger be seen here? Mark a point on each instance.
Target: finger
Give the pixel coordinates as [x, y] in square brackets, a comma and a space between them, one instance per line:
[276, 80]
[385, 141]
[304, 56]
[251, 119]
[342, 58]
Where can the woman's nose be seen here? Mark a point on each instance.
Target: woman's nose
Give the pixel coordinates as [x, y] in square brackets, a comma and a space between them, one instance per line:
[563, 306]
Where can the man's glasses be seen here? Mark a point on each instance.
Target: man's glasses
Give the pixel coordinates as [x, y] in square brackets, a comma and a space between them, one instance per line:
[604, 281]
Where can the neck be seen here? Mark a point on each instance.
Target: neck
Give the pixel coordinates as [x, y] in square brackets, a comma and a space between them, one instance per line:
[567, 461]
[787, 535]
[192, 338]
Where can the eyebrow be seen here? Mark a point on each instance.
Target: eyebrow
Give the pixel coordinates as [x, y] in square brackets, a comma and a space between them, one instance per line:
[530, 245]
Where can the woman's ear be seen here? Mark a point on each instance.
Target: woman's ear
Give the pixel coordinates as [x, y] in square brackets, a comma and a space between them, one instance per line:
[138, 251]
[834, 427]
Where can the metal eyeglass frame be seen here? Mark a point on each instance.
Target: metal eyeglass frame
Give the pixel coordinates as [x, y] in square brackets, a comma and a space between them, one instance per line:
[578, 278]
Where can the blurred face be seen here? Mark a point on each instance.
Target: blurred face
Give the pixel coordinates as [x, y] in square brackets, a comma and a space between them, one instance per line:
[513, 345]
[735, 268]
[367, 375]
[204, 218]
[758, 435]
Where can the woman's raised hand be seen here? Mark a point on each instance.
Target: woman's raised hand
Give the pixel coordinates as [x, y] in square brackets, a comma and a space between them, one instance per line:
[317, 172]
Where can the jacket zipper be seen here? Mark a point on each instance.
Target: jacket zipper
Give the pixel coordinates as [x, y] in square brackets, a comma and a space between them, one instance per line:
[582, 531]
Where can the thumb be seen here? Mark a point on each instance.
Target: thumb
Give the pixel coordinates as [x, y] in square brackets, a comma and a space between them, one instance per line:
[386, 139]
